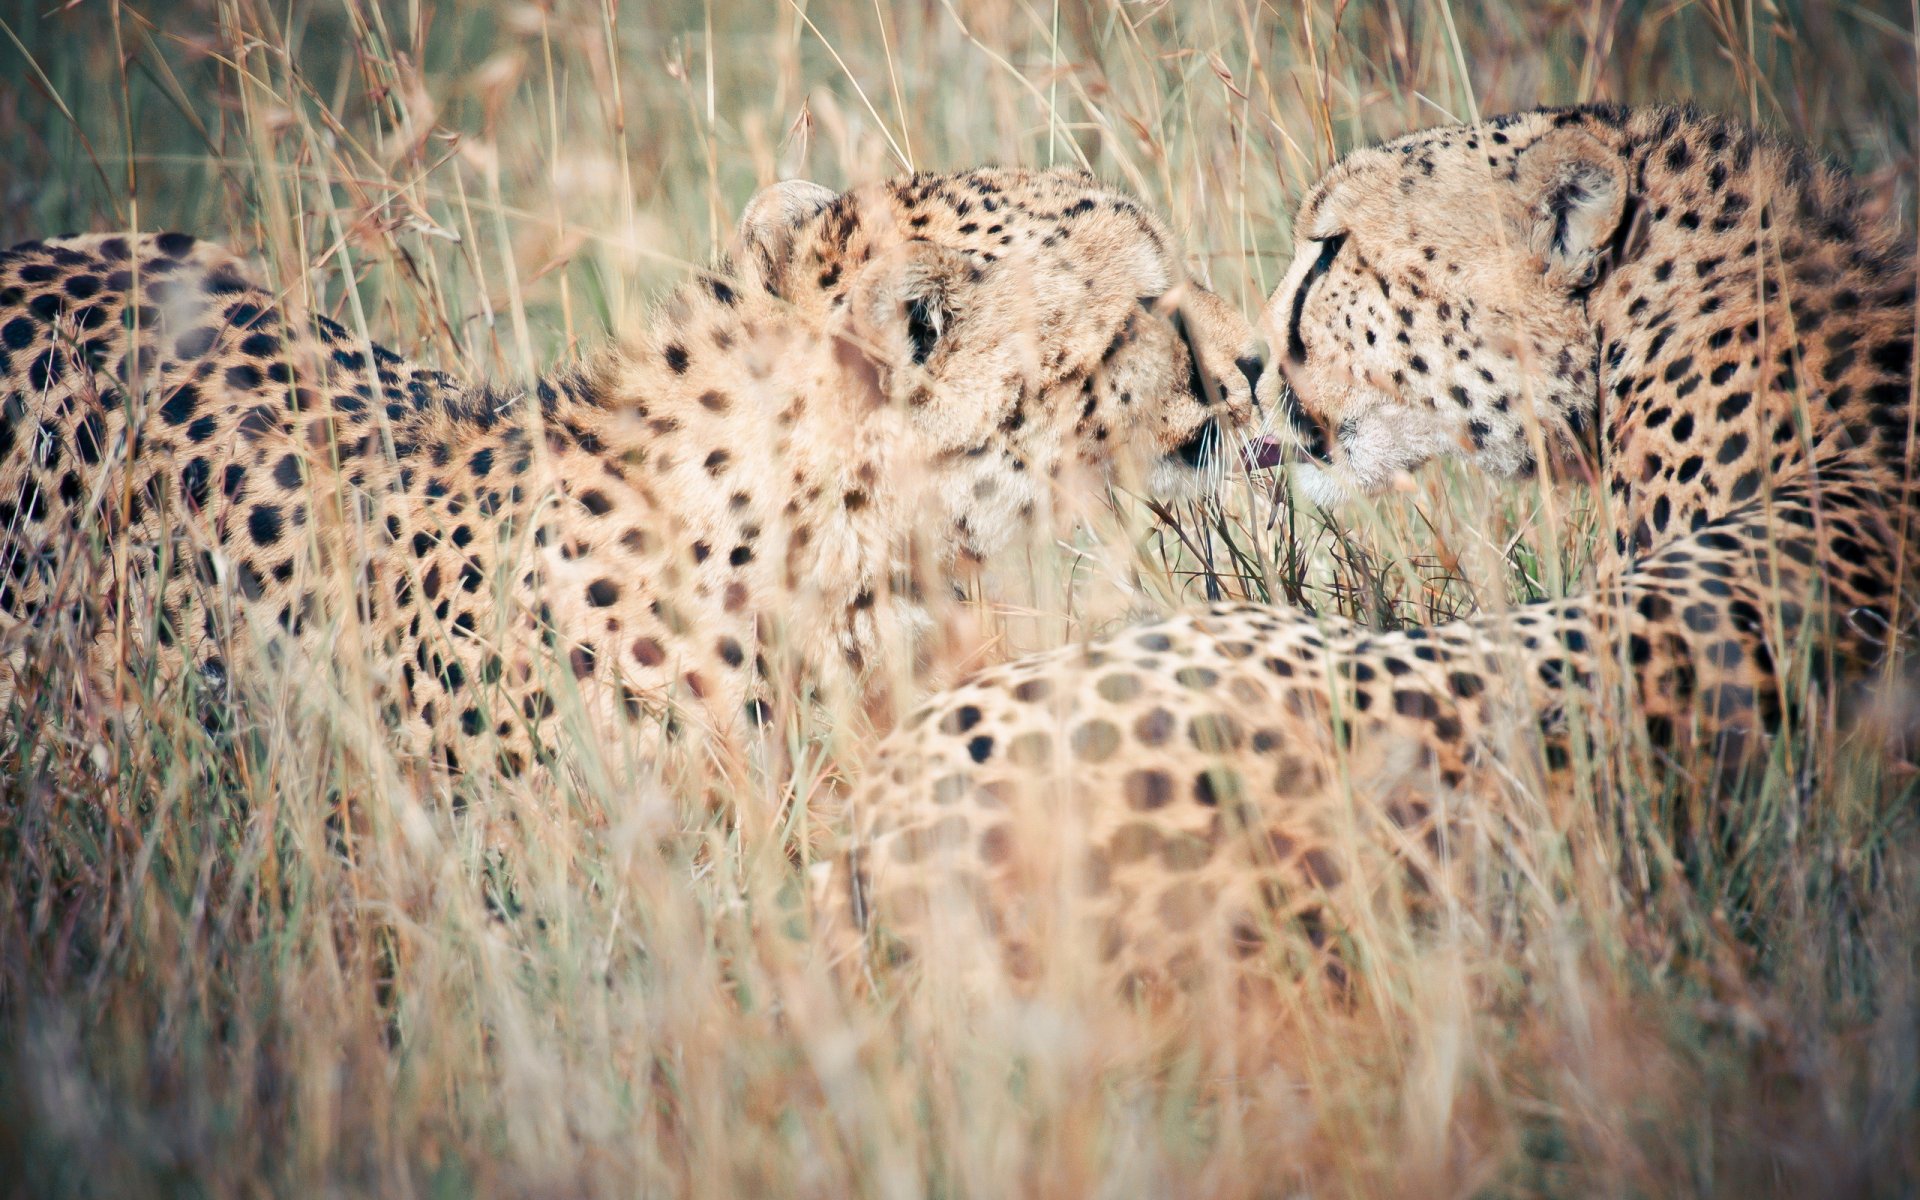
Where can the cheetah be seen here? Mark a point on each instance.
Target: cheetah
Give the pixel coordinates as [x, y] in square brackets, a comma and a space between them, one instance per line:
[1694, 315]
[624, 539]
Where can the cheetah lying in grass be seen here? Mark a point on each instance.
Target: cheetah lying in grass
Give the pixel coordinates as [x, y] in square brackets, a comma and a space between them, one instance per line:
[626, 539]
[1694, 314]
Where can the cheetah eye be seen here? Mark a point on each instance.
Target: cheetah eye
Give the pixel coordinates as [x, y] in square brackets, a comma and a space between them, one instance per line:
[1329, 250]
[923, 328]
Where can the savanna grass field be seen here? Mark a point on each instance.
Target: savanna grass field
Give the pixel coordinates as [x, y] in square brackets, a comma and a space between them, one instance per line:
[263, 955]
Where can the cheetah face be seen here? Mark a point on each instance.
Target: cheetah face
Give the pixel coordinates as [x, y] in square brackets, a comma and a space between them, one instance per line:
[1437, 305]
[1027, 326]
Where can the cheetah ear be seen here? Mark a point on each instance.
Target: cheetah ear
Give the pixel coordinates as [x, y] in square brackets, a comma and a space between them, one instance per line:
[768, 223]
[1575, 189]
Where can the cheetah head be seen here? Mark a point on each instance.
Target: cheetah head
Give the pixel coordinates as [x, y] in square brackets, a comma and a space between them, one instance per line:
[1437, 305]
[1024, 327]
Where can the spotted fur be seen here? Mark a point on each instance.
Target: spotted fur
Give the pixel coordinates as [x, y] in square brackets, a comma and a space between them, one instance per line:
[632, 538]
[1696, 315]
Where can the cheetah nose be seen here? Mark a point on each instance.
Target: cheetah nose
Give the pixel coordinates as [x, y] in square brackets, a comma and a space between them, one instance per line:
[1251, 365]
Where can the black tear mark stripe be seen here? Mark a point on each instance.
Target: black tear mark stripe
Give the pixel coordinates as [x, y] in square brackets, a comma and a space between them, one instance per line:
[1196, 381]
[1312, 434]
[1329, 249]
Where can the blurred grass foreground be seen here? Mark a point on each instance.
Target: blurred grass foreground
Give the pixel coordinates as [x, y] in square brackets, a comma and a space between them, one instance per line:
[257, 959]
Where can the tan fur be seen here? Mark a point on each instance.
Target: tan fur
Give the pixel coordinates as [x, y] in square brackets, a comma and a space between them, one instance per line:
[1689, 311]
[767, 476]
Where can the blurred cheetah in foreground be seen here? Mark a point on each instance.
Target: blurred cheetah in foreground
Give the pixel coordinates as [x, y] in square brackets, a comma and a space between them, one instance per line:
[932, 354]
[1686, 310]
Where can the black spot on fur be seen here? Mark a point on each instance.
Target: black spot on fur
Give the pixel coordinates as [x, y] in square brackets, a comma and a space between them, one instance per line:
[263, 524]
[179, 408]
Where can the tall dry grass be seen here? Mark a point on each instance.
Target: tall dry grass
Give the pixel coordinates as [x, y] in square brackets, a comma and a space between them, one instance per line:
[257, 958]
